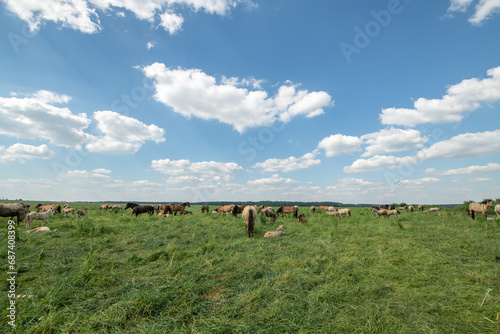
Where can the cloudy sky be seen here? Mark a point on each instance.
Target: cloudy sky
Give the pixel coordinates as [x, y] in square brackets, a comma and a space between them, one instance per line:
[244, 100]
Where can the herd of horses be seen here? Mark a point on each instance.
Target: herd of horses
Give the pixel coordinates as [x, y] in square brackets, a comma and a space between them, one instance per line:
[249, 212]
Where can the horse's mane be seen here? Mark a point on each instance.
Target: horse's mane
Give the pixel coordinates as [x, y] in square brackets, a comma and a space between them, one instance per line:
[485, 201]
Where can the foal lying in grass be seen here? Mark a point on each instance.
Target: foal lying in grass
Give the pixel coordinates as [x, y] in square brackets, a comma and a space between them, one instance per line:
[277, 233]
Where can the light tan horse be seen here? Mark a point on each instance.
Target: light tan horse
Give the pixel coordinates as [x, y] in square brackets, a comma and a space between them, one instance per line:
[272, 234]
[497, 210]
[346, 212]
[482, 207]
[333, 213]
[249, 215]
[381, 212]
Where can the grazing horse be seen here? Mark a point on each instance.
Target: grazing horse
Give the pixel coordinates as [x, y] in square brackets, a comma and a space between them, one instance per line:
[237, 209]
[301, 218]
[438, 210]
[313, 209]
[411, 208]
[225, 209]
[69, 210]
[140, 209]
[268, 212]
[497, 210]
[81, 213]
[45, 207]
[273, 234]
[482, 207]
[167, 208]
[381, 212]
[421, 207]
[116, 207]
[38, 216]
[130, 205]
[393, 212]
[11, 210]
[334, 213]
[179, 207]
[288, 209]
[375, 207]
[346, 212]
[249, 215]
[205, 208]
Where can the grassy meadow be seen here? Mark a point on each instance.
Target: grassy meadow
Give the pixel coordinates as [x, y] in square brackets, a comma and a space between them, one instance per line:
[113, 273]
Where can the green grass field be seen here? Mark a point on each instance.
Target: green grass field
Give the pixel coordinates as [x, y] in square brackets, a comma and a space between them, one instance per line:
[113, 273]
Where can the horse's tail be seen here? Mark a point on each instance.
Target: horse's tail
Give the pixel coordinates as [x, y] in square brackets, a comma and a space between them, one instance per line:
[472, 214]
[235, 211]
[251, 220]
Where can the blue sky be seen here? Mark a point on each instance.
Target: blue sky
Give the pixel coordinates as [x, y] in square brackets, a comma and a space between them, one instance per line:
[246, 100]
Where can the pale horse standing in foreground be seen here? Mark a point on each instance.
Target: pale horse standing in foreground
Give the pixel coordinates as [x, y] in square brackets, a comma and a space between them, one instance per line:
[249, 215]
[38, 216]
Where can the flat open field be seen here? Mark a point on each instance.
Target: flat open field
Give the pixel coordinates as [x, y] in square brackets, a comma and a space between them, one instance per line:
[113, 273]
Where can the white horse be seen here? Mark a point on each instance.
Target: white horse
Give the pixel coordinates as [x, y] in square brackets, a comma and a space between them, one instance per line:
[38, 216]
[346, 212]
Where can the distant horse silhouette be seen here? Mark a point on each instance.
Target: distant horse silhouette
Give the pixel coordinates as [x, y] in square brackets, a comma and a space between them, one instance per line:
[205, 208]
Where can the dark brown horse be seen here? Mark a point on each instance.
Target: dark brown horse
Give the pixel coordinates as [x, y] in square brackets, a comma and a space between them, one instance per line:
[179, 207]
[130, 205]
[205, 208]
[288, 209]
[140, 209]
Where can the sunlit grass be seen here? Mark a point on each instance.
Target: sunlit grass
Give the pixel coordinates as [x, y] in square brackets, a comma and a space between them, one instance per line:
[113, 273]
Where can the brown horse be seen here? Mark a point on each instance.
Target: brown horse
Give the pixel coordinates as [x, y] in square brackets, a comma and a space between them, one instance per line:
[205, 208]
[179, 207]
[45, 207]
[238, 209]
[225, 209]
[482, 207]
[249, 214]
[288, 209]
[301, 218]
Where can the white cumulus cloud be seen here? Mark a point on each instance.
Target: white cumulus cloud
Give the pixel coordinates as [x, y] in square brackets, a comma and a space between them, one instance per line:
[466, 96]
[289, 164]
[19, 153]
[191, 92]
[483, 10]
[122, 134]
[37, 118]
